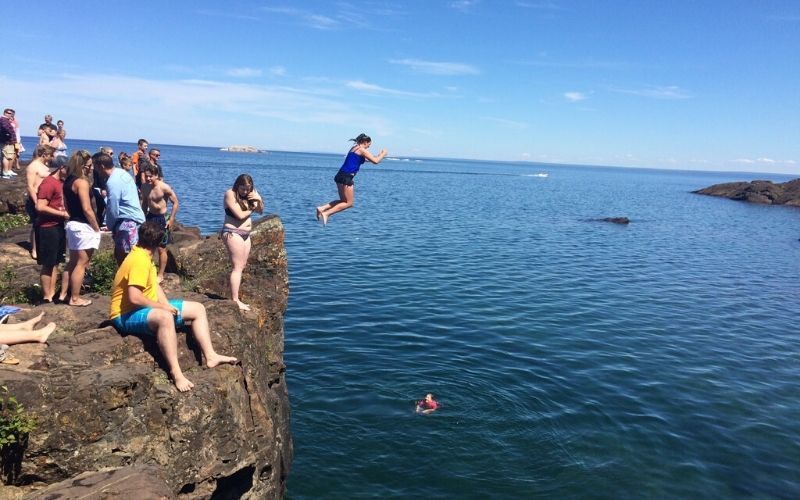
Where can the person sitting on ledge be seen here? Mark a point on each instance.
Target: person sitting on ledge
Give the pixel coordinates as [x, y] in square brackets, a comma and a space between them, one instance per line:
[139, 306]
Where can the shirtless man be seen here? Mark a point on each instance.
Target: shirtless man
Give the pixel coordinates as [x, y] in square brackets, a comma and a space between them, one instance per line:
[36, 171]
[155, 195]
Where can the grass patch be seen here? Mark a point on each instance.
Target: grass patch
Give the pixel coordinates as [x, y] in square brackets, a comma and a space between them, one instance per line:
[12, 292]
[15, 422]
[101, 272]
[13, 221]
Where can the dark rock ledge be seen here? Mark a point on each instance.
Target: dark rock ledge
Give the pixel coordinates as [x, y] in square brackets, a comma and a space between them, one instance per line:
[764, 192]
[105, 406]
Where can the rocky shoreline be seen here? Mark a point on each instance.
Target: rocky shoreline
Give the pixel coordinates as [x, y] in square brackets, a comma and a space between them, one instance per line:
[763, 192]
[109, 421]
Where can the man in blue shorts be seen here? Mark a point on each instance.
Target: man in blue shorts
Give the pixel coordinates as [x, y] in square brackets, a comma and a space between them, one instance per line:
[139, 306]
[123, 210]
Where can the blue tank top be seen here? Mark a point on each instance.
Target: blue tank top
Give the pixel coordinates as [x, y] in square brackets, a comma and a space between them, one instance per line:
[352, 163]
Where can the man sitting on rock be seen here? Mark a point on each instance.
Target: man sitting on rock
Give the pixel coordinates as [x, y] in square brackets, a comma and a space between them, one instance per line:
[139, 306]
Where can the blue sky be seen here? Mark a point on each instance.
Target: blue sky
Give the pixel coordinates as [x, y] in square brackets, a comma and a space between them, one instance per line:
[702, 85]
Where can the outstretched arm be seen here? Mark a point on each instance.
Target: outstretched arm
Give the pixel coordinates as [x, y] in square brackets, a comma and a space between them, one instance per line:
[372, 158]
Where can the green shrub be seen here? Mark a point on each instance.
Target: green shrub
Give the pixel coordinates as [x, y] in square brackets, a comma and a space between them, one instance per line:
[12, 292]
[15, 422]
[101, 272]
[11, 221]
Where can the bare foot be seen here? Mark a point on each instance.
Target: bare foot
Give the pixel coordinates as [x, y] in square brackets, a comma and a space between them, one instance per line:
[79, 302]
[28, 325]
[324, 219]
[318, 213]
[45, 332]
[242, 305]
[182, 383]
[217, 359]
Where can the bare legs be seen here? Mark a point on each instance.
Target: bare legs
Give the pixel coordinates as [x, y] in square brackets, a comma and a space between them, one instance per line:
[47, 276]
[78, 260]
[162, 263]
[238, 250]
[19, 333]
[163, 323]
[346, 199]
[6, 165]
[32, 239]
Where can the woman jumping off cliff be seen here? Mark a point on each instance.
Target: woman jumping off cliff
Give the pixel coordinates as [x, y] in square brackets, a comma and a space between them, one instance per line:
[344, 178]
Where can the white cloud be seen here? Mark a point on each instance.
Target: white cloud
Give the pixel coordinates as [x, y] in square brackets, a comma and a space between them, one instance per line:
[312, 19]
[656, 92]
[371, 88]
[504, 121]
[464, 5]
[243, 72]
[277, 71]
[764, 161]
[437, 68]
[574, 96]
[181, 111]
[538, 5]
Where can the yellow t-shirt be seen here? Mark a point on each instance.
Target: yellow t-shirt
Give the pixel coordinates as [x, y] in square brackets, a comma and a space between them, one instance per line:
[136, 270]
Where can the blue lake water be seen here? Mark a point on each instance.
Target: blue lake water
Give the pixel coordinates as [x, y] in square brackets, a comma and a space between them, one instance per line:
[571, 358]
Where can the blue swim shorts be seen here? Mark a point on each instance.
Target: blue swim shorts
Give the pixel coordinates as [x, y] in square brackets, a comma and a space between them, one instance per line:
[136, 321]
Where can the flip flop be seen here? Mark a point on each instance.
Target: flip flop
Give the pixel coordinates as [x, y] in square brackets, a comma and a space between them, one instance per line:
[7, 359]
[87, 303]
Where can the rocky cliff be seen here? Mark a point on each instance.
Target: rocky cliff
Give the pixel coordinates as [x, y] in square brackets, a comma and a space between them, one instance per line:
[765, 192]
[104, 403]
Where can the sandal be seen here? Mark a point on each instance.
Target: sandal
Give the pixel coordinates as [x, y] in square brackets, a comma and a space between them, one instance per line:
[6, 358]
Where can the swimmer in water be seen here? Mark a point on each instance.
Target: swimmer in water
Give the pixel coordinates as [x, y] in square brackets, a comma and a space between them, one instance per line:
[357, 155]
[427, 405]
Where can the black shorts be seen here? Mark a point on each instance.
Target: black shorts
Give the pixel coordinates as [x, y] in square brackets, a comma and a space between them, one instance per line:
[51, 245]
[346, 179]
[30, 209]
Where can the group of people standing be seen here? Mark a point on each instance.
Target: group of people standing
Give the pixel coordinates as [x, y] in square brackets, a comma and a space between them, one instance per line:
[64, 217]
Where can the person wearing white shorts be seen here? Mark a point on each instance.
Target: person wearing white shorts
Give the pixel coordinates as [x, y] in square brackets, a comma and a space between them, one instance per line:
[83, 232]
[81, 236]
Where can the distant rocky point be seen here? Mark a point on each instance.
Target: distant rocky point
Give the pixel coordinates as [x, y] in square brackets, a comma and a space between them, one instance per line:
[764, 192]
[241, 149]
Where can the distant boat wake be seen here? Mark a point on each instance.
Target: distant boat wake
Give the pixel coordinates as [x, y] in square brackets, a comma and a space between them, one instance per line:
[540, 174]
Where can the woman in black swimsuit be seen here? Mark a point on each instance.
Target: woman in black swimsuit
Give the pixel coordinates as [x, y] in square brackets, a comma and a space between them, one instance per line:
[240, 203]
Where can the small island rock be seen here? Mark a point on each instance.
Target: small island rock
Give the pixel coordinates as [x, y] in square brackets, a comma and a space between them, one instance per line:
[764, 192]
